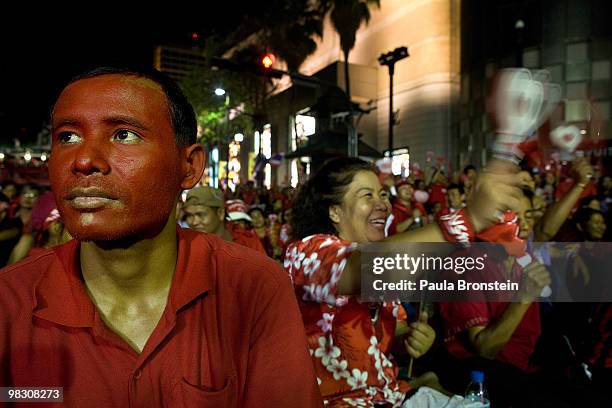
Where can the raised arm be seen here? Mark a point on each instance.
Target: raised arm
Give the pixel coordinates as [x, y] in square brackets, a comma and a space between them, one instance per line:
[557, 214]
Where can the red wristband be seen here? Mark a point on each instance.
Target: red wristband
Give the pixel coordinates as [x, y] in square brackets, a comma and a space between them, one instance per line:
[456, 227]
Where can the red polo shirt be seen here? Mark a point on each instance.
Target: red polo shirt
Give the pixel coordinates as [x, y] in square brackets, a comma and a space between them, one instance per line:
[229, 336]
[458, 317]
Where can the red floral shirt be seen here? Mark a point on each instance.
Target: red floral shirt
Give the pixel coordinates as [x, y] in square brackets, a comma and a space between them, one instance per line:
[349, 345]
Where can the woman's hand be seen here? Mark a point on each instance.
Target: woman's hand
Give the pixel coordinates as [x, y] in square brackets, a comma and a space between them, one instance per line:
[420, 337]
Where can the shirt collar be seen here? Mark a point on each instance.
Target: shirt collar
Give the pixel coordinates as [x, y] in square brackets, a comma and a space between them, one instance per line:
[61, 297]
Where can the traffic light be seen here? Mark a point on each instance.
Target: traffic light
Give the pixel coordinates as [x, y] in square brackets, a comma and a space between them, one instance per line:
[268, 60]
[256, 64]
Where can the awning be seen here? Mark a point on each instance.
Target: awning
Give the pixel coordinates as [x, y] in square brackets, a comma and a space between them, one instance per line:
[330, 144]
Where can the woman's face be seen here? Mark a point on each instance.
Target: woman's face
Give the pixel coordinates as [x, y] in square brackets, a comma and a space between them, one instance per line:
[594, 204]
[362, 215]
[257, 219]
[596, 227]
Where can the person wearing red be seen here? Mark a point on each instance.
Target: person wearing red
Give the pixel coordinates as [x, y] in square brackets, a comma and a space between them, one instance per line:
[406, 213]
[342, 206]
[500, 338]
[437, 188]
[137, 312]
[204, 210]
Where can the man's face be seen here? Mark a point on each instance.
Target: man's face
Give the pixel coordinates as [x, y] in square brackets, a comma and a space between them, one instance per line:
[204, 219]
[526, 180]
[405, 192]
[29, 197]
[455, 199]
[471, 174]
[525, 218]
[10, 190]
[115, 168]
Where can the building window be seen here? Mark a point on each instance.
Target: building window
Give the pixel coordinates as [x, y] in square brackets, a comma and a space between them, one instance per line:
[601, 110]
[556, 73]
[531, 58]
[576, 111]
[576, 90]
[600, 70]
[302, 127]
[578, 71]
[577, 52]
[266, 150]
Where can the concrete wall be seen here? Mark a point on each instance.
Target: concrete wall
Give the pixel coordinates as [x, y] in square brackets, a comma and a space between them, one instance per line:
[426, 84]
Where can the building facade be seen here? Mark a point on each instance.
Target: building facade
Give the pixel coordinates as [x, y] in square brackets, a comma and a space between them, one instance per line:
[572, 39]
[426, 84]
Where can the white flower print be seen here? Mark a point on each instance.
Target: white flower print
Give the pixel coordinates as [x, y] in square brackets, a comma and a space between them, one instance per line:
[355, 402]
[358, 379]
[394, 396]
[317, 293]
[373, 350]
[297, 260]
[327, 242]
[371, 391]
[396, 307]
[289, 257]
[326, 322]
[341, 251]
[341, 301]
[311, 264]
[338, 368]
[319, 381]
[336, 271]
[326, 350]
[321, 294]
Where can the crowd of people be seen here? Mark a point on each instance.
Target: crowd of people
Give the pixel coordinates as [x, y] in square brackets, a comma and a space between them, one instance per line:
[179, 315]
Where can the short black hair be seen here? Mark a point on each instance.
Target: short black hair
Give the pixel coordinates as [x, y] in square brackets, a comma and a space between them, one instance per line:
[324, 189]
[468, 168]
[455, 186]
[584, 215]
[181, 112]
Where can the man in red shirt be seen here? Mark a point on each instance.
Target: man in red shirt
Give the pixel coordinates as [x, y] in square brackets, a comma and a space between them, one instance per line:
[205, 212]
[403, 215]
[136, 312]
[499, 338]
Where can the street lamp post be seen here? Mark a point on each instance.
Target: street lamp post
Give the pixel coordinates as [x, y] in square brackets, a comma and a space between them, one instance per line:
[389, 59]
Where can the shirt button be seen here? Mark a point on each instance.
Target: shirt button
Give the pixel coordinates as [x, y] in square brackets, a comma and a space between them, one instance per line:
[137, 374]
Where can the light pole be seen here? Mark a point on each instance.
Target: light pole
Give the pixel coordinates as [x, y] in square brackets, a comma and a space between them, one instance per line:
[389, 59]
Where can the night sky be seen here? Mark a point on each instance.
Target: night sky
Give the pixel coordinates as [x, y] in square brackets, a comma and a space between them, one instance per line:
[38, 54]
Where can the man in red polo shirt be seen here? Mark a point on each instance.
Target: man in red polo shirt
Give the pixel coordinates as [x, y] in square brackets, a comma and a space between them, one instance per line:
[136, 312]
[405, 213]
[205, 212]
[499, 338]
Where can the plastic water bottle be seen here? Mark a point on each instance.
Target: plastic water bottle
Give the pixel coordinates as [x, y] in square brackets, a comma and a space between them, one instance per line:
[476, 394]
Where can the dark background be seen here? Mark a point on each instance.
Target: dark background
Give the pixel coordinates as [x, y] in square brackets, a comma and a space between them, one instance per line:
[42, 48]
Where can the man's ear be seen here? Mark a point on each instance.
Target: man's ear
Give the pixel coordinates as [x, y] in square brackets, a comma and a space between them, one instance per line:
[221, 213]
[194, 159]
[334, 214]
